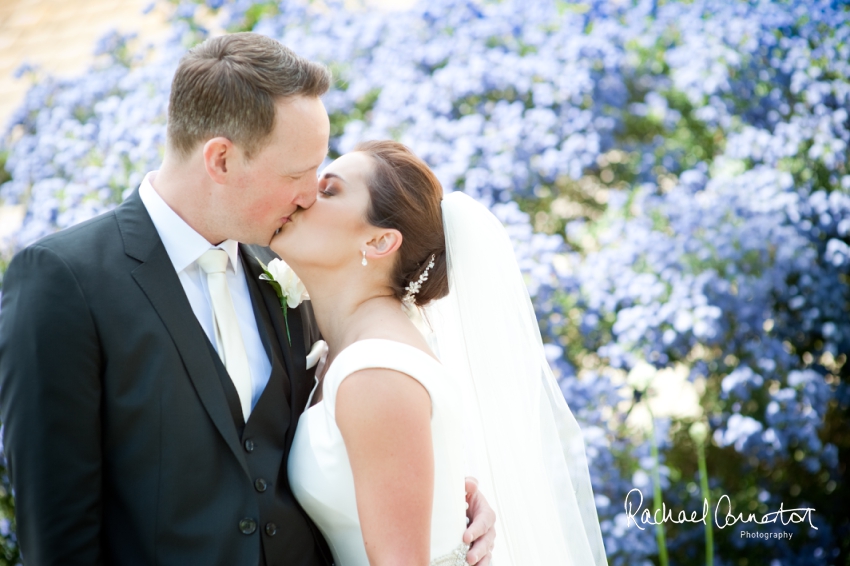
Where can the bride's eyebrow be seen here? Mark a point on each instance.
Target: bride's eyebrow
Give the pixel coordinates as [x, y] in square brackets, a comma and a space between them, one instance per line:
[333, 175]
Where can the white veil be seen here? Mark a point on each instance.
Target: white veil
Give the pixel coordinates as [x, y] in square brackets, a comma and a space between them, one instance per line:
[524, 445]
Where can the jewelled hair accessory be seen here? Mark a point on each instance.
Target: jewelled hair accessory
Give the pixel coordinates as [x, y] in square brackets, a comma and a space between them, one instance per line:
[414, 287]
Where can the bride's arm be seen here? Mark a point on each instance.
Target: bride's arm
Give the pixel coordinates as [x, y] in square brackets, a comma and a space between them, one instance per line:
[385, 420]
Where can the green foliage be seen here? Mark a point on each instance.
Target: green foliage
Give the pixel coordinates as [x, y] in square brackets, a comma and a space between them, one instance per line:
[4, 174]
[254, 14]
[362, 107]
[10, 554]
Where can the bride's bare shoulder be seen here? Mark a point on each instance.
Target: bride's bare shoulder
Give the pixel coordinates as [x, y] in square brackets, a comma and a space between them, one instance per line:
[396, 329]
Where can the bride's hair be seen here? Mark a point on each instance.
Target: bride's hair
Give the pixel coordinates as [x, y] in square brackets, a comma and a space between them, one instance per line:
[405, 195]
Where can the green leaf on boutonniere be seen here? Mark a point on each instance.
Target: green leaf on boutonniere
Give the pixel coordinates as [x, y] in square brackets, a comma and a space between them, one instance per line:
[275, 285]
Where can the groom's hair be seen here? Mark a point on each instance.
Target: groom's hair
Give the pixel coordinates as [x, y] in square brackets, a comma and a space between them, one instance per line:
[228, 86]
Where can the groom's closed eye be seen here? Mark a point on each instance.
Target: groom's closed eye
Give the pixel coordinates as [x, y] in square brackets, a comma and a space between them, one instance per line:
[298, 175]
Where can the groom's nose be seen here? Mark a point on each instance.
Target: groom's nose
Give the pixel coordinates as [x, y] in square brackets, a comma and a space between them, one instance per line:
[307, 191]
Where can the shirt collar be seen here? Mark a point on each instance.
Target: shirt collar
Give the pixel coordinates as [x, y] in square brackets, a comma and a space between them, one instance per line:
[182, 243]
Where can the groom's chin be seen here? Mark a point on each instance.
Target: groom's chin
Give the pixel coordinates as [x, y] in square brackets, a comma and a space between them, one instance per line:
[266, 237]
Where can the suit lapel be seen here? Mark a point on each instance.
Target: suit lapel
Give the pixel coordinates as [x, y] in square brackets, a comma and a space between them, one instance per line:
[302, 382]
[157, 278]
[258, 303]
[295, 355]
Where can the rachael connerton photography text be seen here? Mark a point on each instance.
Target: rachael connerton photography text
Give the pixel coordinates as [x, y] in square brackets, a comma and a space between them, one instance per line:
[723, 515]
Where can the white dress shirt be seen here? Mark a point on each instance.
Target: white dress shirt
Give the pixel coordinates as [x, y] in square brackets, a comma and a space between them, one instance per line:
[184, 246]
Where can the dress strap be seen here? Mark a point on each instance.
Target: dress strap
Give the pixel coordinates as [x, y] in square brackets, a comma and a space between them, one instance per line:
[377, 353]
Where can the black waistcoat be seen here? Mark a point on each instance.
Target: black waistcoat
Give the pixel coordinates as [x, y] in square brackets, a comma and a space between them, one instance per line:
[286, 534]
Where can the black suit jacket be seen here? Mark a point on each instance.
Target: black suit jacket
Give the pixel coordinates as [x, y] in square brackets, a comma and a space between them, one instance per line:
[120, 433]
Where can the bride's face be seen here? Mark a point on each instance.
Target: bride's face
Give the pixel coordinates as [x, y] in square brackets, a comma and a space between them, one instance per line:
[332, 232]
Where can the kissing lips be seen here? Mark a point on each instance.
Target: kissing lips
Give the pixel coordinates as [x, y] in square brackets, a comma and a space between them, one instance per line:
[283, 221]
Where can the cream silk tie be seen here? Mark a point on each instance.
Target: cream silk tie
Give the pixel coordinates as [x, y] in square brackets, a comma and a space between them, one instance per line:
[231, 348]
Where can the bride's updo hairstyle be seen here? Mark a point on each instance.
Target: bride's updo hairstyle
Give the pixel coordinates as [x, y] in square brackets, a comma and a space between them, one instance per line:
[405, 195]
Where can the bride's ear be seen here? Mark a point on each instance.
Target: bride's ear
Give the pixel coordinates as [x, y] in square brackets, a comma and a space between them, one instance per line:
[385, 244]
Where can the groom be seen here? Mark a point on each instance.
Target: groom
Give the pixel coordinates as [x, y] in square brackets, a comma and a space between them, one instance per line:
[149, 385]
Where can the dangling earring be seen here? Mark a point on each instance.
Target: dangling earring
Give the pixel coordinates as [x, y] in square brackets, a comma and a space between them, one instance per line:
[364, 263]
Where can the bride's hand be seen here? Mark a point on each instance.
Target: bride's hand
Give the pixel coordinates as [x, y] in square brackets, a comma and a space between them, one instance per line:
[481, 532]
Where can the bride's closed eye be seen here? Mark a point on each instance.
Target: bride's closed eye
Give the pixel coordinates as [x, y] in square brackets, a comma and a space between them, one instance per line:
[327, 187]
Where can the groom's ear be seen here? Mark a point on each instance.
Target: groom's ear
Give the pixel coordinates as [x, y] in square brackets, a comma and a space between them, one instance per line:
[218, 154]
[384, 244]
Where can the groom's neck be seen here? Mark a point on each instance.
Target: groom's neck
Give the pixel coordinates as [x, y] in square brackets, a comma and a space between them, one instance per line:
[183, 185]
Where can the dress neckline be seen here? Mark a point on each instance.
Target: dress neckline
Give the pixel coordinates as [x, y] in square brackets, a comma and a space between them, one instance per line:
[338, 356]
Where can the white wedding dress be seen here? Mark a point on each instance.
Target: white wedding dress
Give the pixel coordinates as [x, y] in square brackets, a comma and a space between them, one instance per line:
[320, 473]
[498, 414]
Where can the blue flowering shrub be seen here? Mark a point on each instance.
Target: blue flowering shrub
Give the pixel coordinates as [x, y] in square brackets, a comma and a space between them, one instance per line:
[674, 177]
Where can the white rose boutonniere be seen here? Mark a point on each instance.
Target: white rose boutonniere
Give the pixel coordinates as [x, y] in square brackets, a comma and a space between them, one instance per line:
[289, 288]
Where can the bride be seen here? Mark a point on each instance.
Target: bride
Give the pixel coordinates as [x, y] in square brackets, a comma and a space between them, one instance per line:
[399, 417]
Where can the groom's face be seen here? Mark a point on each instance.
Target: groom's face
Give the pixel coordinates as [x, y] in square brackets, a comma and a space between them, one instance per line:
[281, 177]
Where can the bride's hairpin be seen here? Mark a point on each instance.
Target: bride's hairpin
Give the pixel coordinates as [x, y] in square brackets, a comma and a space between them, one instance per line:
[414, 287]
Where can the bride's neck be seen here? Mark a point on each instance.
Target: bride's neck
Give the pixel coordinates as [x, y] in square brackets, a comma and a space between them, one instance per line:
[346, 313]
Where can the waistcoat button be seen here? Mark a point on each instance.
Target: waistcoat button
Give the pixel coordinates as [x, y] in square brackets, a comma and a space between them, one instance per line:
[260, 485]
[247, 526]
